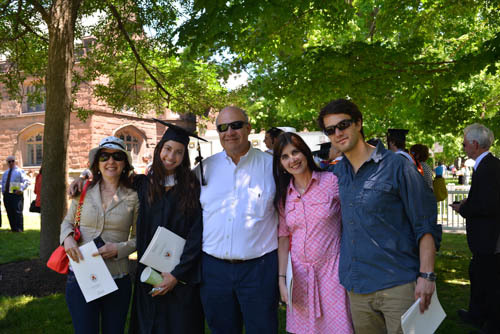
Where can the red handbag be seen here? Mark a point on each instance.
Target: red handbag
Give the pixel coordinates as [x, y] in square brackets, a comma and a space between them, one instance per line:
[58, 260]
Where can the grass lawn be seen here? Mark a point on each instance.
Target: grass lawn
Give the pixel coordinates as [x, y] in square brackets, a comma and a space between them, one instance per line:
[26, 314]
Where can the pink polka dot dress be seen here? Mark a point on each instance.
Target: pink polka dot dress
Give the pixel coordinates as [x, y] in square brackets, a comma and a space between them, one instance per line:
[313, 221]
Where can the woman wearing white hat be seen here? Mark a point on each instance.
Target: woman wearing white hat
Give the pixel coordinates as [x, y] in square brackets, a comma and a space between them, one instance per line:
[108, 216]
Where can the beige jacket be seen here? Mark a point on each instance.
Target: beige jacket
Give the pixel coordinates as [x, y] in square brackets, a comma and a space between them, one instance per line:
[116, 224]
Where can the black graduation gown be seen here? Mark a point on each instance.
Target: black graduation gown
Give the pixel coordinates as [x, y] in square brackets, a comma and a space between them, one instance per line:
[179, 310]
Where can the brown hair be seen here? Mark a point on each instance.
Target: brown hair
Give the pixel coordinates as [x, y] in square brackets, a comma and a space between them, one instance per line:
[125, 177]
[281, 176]
[187, 188]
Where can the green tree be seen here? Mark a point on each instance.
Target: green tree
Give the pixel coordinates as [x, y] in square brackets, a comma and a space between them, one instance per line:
[425, 65]
[135, 49]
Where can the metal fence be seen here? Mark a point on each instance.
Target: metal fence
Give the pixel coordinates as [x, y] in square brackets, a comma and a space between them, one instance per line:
[446, 216]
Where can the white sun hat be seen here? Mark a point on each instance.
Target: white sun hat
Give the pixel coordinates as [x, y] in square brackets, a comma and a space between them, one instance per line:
[113, 143]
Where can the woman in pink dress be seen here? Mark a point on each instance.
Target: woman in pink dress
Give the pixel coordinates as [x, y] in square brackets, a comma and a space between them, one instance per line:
[307, 199]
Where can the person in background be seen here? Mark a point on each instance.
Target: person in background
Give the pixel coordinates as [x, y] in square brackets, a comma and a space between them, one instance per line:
[108, 214]
[308, 203]
[14, 182]
[481, 209]
[421, 153]
[38, 188]
[169, 197]
[389, 230]
[270, 138]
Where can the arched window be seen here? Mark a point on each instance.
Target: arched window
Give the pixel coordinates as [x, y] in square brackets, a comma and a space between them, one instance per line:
[132, 144]
[34, 150]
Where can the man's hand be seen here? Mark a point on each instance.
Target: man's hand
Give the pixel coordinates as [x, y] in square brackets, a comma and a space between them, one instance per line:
[169, 282]
[76, 186]
[456, 206]
[424, 291]
[71, 248]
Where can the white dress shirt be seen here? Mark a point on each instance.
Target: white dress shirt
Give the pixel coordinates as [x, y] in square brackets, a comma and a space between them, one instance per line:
[479, 158]
[239, 220]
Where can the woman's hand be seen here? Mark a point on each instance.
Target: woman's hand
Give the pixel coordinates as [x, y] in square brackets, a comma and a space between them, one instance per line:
[283, 290]
[71, 248]
[169, 282]
[108, 251]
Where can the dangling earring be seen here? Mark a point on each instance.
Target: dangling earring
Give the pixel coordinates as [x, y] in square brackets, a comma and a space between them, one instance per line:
[98, 172]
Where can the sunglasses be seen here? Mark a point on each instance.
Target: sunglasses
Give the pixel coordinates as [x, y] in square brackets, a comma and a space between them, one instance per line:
[342, 125]
[9, 161]
[117, 156]
[234, 125]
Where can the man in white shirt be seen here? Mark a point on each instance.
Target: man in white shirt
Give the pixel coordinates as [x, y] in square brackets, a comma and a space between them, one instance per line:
[239, 261]
[14, 182]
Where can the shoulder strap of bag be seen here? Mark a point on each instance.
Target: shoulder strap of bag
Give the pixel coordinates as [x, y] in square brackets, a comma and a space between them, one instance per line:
[79, 207]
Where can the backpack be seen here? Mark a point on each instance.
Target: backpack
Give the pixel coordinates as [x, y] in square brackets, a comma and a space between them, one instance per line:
[440, 191]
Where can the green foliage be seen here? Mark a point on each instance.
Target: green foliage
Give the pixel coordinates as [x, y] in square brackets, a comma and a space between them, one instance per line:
[429, 66]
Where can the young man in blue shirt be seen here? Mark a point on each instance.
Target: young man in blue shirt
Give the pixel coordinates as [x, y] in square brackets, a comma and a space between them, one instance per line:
[389, 230]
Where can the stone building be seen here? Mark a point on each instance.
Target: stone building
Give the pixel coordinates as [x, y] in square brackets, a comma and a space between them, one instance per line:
[22, 126]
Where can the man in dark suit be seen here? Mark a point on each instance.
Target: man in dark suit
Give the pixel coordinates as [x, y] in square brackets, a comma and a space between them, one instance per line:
[481, 210]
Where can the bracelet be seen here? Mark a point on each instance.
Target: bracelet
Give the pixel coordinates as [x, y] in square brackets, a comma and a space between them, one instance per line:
[282, 276]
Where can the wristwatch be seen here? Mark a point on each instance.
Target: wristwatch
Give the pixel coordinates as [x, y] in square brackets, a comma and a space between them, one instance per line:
[428, 276]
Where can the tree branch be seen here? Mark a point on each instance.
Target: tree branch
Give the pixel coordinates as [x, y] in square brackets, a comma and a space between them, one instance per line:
[28, 28]
[118, 18]
[39, 8]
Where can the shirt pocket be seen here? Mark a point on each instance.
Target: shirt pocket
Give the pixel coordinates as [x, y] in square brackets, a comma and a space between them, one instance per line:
[258, 202]
[377, 195]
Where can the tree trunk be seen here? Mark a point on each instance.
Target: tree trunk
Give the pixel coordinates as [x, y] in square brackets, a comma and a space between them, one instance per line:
[61, 25]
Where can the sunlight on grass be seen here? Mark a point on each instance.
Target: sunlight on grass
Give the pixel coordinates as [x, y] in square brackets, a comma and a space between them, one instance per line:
[458, 281]
[14, 302]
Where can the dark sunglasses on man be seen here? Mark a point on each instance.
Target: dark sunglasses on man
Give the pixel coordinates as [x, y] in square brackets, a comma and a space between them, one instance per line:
[9, 161]
[117, 156]
[234, 125]
[342, 125]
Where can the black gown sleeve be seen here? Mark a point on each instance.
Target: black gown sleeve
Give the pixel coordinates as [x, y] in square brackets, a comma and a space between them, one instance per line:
[189, 268]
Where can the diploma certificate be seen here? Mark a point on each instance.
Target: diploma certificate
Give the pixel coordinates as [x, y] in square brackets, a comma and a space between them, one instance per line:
[92, 275]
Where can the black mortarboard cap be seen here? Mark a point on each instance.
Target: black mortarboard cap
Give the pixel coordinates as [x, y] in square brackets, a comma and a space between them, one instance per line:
[325, 146]
[176, 133]
[397, 133]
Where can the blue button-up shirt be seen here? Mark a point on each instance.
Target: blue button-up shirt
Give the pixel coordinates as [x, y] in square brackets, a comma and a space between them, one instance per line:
[386, 209]
[18, 177]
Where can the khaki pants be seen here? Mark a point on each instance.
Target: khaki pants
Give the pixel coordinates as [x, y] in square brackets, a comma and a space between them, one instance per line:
[380, 312]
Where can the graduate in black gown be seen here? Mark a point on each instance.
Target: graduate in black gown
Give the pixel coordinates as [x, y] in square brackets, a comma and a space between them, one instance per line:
[169, 197]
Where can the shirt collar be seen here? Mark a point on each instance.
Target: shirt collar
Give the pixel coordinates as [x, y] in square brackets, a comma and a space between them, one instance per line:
[291, 187]
[479, 158]
[243, 157]
[379, 153]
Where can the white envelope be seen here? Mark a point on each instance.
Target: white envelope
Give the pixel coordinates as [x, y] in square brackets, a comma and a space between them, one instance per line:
[164, 251]
[289, 279]
[414, 322]
[92, 275]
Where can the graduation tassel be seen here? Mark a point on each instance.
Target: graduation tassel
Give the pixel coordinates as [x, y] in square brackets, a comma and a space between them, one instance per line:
[203, 182]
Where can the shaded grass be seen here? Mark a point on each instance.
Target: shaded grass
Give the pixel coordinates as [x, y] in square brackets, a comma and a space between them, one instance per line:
[25, 314]
[453, 285]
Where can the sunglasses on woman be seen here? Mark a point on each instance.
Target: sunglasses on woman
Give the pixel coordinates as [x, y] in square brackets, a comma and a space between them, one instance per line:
[342, 125]
[117, 156]
[234, 125]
